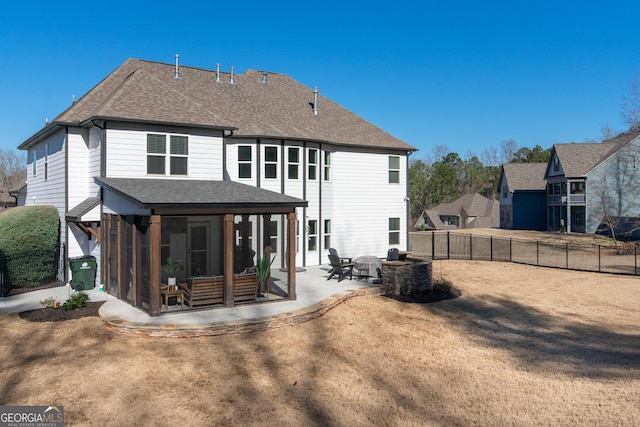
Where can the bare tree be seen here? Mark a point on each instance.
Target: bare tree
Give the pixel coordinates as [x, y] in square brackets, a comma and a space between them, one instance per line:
[490, 156]
[630, 104]
[608, 132]
[615, 191]
[509, 149]
[13, 170]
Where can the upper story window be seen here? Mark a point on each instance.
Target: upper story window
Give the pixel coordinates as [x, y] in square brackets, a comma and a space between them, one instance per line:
[394, 170]
[556, 164]
[244, 161]
[270, 162]
[313, 165]
[34, 163]
[173, 157]
[504, 191]
[46, 161]
[327, 166]
[294, 161]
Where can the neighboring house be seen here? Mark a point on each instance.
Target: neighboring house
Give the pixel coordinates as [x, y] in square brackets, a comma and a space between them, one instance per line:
[469, 211]
[523, 196]
[210, 168]
[6, 200]
[587, 183]
[20, 195]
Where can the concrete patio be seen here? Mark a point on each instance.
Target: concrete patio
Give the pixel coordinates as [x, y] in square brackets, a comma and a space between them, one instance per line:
[315, 296]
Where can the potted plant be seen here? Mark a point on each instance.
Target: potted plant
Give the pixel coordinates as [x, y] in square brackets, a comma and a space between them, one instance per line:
[263, 270]
[172, 267]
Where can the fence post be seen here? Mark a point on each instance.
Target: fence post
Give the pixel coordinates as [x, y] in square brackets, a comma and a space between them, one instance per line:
[599, 262]
[433, 245]
[491, 245]
[470, 247]
[537, 252]
[448, 246]
[567, 254]
[635, 259]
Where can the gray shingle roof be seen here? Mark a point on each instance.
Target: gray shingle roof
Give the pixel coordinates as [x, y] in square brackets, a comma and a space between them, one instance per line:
[525, 176]
[578, 159]
[186, 193]
[85, 206]
[280, 108]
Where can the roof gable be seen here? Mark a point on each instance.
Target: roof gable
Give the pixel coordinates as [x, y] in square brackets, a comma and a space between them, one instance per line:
[524, 176]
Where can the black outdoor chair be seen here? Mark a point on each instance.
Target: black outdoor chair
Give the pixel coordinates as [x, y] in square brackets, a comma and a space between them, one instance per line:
[338, 269]
[332, 251]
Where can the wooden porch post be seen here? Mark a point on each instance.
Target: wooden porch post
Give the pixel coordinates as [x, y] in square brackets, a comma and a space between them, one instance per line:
[266, 231]
[291, 256]
[244, 234]
[228, 259]
[155, 264]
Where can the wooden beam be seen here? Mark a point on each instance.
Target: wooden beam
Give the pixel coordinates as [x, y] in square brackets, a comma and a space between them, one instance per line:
[229, 245]
[155, 229]
[291, 256]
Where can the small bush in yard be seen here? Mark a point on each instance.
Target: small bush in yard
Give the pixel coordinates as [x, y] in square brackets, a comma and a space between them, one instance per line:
[50, 302]
[76, 301]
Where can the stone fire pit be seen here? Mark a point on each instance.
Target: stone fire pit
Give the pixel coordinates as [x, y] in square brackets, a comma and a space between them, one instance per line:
[414, 275]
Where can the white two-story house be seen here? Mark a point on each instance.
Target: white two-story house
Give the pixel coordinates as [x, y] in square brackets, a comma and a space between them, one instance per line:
[210, 168]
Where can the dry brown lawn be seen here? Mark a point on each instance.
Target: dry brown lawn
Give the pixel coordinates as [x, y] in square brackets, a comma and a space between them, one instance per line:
[522, 346]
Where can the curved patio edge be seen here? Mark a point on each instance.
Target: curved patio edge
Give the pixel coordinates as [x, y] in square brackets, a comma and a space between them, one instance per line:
[169, 330]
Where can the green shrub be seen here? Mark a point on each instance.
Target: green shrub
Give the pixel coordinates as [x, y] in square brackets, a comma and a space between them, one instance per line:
[50, 302]
[76, 301]
[442, 285]
[29, 239]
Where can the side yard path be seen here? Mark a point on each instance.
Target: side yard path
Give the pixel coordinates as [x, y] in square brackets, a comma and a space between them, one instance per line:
[522, 346]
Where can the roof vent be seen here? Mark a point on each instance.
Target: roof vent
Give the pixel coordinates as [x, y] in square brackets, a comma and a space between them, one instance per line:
[315, 100]
[177, 76]
[264, 77]
[232, 74]
[217, 73]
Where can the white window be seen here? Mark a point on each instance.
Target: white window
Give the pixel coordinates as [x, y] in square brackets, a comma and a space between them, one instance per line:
[504, 191]
[394, 231]
[313, 235]
[270, 162]
[327, 166]
[34, 162]
[46, 161]
[327, 233]
[294, 161]
[313, 165]
[556, 164]
[159, 160]
[244, 161]
[394, 170]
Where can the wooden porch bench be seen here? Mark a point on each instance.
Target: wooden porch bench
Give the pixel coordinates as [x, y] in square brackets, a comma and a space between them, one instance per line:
[203, 291]
[245, 287]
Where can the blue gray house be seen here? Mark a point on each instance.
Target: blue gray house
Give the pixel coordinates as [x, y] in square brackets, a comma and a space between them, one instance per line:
[523, 201]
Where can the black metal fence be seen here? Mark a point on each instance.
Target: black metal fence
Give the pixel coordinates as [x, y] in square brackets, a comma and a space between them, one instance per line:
[31, 269]
[622, 259]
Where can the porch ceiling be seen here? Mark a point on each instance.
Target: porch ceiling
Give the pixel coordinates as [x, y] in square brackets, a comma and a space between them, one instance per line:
[196, 194]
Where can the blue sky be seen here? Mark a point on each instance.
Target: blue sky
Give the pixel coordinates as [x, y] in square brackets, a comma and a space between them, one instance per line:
[464, 74]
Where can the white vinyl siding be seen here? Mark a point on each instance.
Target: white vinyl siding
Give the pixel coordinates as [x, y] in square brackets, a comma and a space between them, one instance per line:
[127, 155]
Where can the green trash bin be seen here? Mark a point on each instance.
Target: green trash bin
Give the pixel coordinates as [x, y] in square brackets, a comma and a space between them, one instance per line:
[83, 272]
